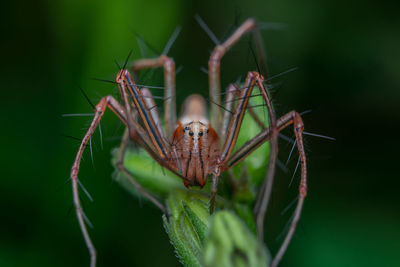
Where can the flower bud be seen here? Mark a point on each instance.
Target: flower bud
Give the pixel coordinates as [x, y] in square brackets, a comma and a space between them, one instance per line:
[230, 243]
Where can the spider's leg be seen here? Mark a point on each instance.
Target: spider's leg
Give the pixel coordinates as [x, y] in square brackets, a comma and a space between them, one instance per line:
[121, 167]
[298, 129]
[151, 138]
[169, 83]
[105, 102]
[172, 162]
[231, 91]
[214, 69]
[128, 86]
[151, 106]
[214, 189]
[266, 189]
[237, 117]
[265, 135]
[233, 129]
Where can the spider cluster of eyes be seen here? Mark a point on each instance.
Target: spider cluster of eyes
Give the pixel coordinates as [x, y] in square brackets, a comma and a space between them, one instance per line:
[191, 133]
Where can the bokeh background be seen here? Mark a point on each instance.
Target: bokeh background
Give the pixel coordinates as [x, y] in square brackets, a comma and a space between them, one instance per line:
[348, 60]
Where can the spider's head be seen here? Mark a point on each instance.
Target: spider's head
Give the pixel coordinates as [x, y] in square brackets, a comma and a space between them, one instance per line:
[196, 143]
[197, 147]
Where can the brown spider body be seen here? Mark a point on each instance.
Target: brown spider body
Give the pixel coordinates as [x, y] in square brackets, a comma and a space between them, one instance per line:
[196, 143]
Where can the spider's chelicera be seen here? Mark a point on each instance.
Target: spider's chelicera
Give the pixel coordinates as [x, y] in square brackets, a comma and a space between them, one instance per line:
[194, 147]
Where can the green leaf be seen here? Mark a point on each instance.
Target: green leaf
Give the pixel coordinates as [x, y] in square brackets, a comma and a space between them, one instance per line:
[187, 225]
[230, 243]
[155, 179]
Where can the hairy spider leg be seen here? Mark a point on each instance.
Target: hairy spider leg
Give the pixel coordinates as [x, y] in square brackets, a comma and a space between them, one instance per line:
[233, 132]
[126, 83]
[290, 118]
[105, 102]
[168, 65]
[214, 64]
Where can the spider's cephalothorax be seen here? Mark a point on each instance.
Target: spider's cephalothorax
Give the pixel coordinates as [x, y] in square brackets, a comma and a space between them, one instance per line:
[195, 143]
[195, 149]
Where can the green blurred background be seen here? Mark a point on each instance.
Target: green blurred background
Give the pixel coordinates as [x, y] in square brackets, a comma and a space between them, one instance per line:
[348, 59]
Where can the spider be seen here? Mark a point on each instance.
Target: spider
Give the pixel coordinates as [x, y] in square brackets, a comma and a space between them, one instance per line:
[194, 147]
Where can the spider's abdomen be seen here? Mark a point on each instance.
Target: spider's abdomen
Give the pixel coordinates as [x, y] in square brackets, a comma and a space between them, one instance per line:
[195, 143]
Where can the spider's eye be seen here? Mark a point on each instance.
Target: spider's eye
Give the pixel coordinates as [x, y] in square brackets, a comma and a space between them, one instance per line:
[207, 131]
[186, 128]
[200, 133]
[191, 133]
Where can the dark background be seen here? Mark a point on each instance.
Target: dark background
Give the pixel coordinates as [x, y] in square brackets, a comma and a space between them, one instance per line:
[348, 59]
